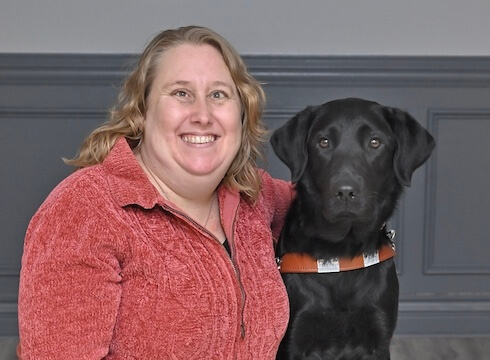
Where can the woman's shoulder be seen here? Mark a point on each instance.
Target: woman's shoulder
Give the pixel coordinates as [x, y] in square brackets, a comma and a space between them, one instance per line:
[276, 197]
[79, 191]
[275, 194]
[274, 186]
[83, 182]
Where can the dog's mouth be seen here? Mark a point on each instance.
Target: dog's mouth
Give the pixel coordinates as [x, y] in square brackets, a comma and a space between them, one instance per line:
[342, 215]
[347, 213]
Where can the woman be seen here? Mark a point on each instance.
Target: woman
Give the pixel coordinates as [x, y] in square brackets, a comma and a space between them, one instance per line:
[161, 245]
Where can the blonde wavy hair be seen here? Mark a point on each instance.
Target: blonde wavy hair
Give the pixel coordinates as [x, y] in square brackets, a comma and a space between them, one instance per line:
[126, 118]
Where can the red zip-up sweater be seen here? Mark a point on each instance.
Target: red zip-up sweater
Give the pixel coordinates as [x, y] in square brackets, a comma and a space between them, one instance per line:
[111, 270]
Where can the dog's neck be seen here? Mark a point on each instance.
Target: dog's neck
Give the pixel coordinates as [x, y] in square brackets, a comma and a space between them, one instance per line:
[310, 233]
[322, 247]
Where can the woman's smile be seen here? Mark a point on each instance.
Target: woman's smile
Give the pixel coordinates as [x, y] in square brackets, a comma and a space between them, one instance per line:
[199, 139]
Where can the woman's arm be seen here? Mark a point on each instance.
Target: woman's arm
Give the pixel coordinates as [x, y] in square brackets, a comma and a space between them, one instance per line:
[279, 194]
[70, 280]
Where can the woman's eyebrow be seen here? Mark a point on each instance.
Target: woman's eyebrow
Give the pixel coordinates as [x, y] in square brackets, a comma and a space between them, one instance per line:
[176, 83]
[187, 83]
[232, 89]
[222, 83]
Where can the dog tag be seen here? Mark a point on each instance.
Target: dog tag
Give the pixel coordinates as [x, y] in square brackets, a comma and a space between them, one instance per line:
[371, 259]
[328, 266]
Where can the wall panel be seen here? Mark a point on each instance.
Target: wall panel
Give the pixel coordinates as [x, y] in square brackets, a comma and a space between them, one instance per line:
[49, 103]
[456, 235]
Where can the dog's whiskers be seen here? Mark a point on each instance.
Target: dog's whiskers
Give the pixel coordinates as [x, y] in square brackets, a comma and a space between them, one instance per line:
[374, 194]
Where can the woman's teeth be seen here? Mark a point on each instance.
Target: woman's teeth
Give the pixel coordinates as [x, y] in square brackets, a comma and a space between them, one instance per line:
[199, 139]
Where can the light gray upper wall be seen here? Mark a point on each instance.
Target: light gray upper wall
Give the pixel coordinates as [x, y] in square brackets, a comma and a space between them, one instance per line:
[288, 27]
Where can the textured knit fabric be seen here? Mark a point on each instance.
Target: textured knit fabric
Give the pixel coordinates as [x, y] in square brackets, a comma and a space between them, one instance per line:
[111, 270]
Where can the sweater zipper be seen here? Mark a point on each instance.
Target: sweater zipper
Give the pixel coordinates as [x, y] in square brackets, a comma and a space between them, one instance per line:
[235, 269]
[242, 290]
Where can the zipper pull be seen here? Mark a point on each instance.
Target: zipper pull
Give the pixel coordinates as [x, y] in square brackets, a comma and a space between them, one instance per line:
[242, 329]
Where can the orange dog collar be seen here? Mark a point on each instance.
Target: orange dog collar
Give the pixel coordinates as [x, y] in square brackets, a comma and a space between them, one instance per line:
[304, 263]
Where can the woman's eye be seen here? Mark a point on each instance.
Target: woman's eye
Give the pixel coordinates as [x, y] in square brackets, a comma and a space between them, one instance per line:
[181, 93]
[375, 143]
[324, 143]
[218, 95]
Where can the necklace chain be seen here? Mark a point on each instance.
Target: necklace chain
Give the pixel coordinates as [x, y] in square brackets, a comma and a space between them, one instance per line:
[209, 212]
[165, 195]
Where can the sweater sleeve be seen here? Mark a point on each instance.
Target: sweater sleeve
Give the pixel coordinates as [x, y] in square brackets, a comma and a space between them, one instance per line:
[69, 288]
[280, 194]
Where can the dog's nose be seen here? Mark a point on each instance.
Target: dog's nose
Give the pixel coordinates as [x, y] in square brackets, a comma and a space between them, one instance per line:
[346, 193]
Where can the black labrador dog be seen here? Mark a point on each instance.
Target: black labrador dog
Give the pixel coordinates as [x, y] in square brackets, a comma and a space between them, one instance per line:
[350, 160]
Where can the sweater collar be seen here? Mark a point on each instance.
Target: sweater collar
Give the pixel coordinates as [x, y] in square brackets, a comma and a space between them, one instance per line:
[131, 186]
[129, 183]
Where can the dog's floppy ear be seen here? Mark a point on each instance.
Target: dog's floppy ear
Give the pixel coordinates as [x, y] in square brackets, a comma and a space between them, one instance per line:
[414, 144]
[289, 142]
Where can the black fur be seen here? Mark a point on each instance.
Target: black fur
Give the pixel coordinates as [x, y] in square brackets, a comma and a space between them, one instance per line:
[346, 190]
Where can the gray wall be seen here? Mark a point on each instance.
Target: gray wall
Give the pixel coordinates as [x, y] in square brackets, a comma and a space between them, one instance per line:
[49, 103]
[310, 27]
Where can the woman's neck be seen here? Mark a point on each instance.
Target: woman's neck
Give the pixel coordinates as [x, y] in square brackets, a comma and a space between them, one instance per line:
[194, 196]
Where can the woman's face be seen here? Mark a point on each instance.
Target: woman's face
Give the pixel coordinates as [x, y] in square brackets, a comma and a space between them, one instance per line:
[193, 119]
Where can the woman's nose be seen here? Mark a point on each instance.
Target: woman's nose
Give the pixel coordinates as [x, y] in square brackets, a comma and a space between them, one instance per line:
[202, 110]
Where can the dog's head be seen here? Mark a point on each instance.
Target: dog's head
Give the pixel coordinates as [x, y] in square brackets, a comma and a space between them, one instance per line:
[352, 151]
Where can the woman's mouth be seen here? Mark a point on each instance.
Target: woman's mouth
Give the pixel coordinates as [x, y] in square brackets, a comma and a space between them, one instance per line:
[194, 139]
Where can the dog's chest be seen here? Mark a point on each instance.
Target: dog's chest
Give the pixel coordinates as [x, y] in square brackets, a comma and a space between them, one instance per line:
[343, 290]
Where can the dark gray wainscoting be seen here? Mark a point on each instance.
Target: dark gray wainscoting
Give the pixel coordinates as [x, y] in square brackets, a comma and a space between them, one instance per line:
[49, 103]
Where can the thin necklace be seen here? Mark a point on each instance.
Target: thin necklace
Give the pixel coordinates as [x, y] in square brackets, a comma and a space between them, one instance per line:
[165, 195]
[209, 213]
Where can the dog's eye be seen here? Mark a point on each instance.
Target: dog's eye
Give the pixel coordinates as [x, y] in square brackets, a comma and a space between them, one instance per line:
[375, 143]
[324, 143]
